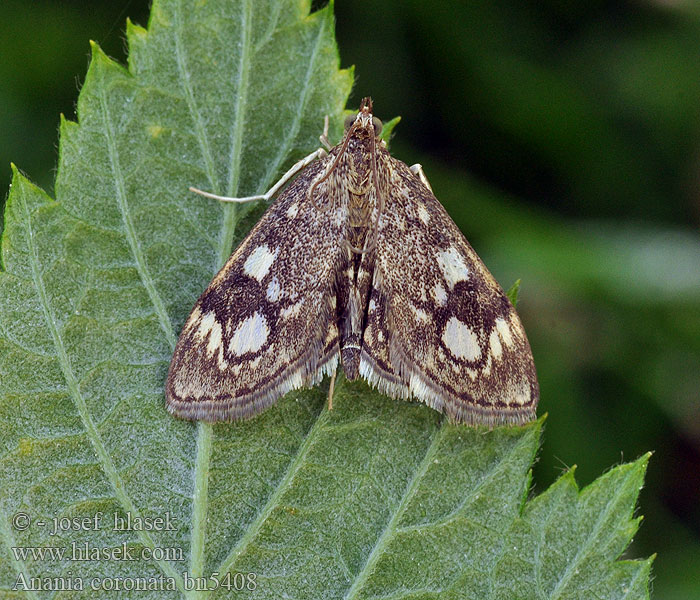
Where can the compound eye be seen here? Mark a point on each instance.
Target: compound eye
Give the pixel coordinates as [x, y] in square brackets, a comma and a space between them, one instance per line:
[377, 124]
[349, 120]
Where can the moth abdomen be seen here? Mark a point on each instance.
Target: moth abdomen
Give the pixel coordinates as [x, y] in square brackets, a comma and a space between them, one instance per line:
[350, 357]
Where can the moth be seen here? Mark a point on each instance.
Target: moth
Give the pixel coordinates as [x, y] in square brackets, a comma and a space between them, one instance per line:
[356, 262]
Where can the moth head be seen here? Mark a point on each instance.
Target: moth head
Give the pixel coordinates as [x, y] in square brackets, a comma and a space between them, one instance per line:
[364, 123]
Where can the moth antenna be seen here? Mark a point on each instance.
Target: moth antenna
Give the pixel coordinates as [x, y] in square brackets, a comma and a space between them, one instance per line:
[380, 197]
[334, 164]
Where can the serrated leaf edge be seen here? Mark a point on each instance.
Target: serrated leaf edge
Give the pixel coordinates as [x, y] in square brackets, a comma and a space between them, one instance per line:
[392, 528]
[21, 187]
[636, 471]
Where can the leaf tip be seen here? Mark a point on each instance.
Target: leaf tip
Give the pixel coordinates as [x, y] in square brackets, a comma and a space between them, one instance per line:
[513, 292]
[642, 462]
[567, 479]
[97, 58]
[97, 55]
[133, 30]
[18, 178]
[388, 128]
[537, 425]
[21, 181]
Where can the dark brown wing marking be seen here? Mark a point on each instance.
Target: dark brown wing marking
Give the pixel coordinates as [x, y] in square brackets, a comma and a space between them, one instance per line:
[266, 324]
[439, 327]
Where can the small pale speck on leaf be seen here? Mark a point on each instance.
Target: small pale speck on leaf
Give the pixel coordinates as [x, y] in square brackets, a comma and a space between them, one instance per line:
[155, 130]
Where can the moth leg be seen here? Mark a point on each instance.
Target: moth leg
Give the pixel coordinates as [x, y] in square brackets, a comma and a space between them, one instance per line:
[275, 188]
[417, 170]
[323, 138]
[331, 389]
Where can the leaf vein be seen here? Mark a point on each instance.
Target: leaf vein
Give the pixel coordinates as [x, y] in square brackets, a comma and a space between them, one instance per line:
[584, 548]
[20, 565]
[184, 73]
[486, 477]
[129, 228]
[103, 455]
[293, 130]
[286, 480]
[391, 526]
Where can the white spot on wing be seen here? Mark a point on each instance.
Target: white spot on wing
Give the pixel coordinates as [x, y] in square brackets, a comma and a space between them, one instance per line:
[250, 335]
[214, 338]
[460, 340]
[486, 371]
[504, 331]
[293, 210]
[292, 311]
[495, 345]
[453, 267]
[193, 319]
[439, 295]
[258, 263]
[205, 324]
[274, 291]
[209, 326]
[332, 332]
[420, 315]
[423, 214]
[523, 396]
[518, 393]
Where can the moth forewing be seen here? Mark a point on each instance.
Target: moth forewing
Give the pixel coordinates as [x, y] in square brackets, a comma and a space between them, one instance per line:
[266, 324]
[439, 327]
[355, 262]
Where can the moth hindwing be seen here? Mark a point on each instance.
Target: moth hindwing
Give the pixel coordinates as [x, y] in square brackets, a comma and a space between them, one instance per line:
[355, 262]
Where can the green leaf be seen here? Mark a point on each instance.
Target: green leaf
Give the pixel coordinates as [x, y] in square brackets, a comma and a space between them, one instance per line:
[388, 128]
[513, 292]
[376, 498]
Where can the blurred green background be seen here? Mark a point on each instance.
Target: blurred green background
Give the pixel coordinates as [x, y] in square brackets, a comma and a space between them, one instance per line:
[564, 138]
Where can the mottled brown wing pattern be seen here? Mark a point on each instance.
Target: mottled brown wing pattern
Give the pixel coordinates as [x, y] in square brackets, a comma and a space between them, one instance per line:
[267, 322]
[356, 261]
[439, 328]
